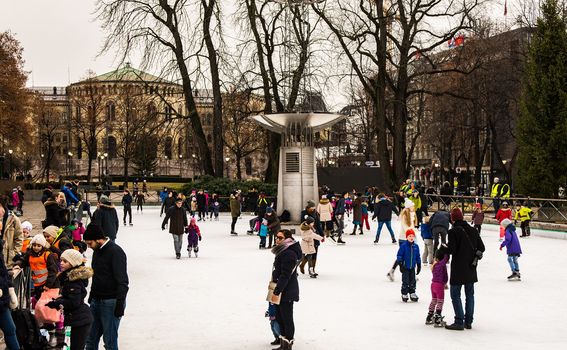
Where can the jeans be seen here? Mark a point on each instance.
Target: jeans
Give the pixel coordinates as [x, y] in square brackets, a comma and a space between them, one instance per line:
[427, 251]
[513, 261]
[275, 326]
[388, 226]
[9, 328]
[263, 241]
[105, 324]
[461, 317]
[177, 243]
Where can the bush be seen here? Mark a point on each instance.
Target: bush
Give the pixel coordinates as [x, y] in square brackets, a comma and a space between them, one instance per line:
[223, 187]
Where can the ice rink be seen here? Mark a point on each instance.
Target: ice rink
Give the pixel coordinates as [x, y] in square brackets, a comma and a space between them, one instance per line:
[217, 301]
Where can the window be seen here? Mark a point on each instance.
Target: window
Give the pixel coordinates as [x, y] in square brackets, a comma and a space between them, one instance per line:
[111, 147]
[110, 111]
[248, 166]
[167, 147]
[292, 162]
[168, 113]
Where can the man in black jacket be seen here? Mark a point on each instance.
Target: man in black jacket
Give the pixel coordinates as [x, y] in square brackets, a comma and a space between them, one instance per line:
[177, 217]
[106, 217]
[439, 223]
[109, 288]
[466, 248]
[127, 205]
[383, 209]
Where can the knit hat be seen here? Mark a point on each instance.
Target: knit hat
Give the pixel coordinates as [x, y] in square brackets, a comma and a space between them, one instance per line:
[73, 257]
[410, 232]
[51, 230]
[39, 239]
[26, 225]
[308, 220]
[311, 204]
[505, 222]
[104, 200]
[456, 215]
[93, 232]
[269, 210]
[408, 203]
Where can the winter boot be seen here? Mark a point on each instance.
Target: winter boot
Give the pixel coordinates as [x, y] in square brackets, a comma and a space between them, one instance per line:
[281, 347]
[314, 264]
[455, 327]
[429, 318]
[390, 275]
[414, 297]
[302, 265]
[438, 321]
[312, 272]
[405, 298]
[276, 342]
[361, 230]
[287, 344]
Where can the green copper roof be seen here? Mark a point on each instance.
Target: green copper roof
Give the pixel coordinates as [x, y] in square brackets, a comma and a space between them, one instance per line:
[127, 73]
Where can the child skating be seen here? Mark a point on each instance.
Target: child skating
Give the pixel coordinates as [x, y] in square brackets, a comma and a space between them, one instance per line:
[409, 260]
[524, 213]
[477, 217]
[438, 282]
[263, 233]
[513, 248]
[503, 213]
[193, 237]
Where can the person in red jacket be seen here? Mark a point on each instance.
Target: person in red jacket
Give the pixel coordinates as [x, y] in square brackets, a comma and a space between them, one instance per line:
[503, 213]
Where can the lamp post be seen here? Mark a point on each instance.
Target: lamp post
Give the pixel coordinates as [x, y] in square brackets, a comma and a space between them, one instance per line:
[226, 160]
[69, 155]
[106, 164]
[10, 151]
[166, 165]
[180, 159]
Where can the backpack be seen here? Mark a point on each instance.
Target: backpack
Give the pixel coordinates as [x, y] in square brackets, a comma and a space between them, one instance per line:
[286, 216]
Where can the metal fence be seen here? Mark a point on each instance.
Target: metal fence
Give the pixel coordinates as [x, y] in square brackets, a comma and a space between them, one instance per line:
[545, 209]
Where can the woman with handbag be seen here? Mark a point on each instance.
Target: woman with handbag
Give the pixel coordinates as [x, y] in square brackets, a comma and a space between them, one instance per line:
[286, 291]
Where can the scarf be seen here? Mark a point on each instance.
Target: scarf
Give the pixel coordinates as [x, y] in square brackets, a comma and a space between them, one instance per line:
[280, 248]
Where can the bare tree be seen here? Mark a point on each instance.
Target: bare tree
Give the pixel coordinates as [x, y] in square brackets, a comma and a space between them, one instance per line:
[165, 33]
[381, 40]
[48, 123]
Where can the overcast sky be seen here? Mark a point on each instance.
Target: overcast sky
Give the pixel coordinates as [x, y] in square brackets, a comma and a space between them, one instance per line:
[61, 38]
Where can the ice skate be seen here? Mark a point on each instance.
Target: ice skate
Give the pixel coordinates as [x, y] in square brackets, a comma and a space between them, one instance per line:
[438, 321]
[429, 318]
[177, 256]
[390, 275]
[233, 233]
[188, 252]
[375, 241]
[405, 298]
[394, 241]
[414, 297]
[340, 241]
[131, 224]
[514, 277]
[312, 273]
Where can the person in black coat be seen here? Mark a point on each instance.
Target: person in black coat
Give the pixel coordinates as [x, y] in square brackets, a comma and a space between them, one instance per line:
[288, 253]
[74, 279]
[54, 213]
[177, 217]
[168, 202]
[439, 223]
[106, 217]
[466, 248]
[383, 209]
[127, 204]
[201, 204]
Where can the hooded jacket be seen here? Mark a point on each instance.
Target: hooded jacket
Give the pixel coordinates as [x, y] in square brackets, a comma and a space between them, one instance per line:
[383, 210]
[325, 210]
[308, 237]
[107, 218]
[511, 241]
[53, 213]
[74, 284]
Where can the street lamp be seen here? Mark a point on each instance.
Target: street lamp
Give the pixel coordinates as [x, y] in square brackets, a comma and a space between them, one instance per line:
[180, 169]
[227, 159]
[106, 163]
[69, 155]
[166, 165]
[10, 163]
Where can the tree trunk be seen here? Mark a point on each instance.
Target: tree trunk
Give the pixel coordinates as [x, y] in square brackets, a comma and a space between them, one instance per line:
[90, 167]
[126, 175]
[238, 167]
[218, 141]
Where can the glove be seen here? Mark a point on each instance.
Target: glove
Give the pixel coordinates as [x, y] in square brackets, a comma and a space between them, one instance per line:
[52, 304]
[163, 228]
[418, 269]
[200, 238]
[13, 298]
[500, 247]
[119, 308]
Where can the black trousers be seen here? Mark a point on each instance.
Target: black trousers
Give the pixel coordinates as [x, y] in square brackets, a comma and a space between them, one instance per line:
[140, 207]
[79, 336]
[284, 316]
[525, 225]
[234, 218]
[128, 211]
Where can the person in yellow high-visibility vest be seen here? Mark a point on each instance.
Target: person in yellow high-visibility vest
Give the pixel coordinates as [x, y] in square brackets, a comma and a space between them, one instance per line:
[495, 194]
[525, 215]
[455, 185]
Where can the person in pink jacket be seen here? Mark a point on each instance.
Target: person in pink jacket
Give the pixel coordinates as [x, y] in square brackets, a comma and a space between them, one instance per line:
[503, 213]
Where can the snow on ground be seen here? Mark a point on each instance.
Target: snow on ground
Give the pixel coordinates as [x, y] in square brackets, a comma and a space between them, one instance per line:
[217, 301]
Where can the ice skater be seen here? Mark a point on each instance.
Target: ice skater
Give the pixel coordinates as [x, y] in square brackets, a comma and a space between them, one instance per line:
[477, 217]
[513, 248]
[193, 237]
[410, 264]
[503, 213]
[263, 233]
[524, 213]
[438, 282]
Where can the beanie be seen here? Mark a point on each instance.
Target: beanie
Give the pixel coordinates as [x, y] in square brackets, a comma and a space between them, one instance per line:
[309, 220]
[51, 230]
[39, 239]
[269, 210]
[73, 257]
[410, 232]
[104, 200]
[310, 204]
[93, 232]
[408, 204]
[456, 215]
[505, 222]
[26, 225]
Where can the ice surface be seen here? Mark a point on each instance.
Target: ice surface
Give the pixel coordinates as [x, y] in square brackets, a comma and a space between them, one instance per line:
[217, 300]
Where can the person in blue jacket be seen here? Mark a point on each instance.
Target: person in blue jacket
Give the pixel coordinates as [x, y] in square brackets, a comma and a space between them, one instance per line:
[69, 195]
[408, 259]
[427, 237]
